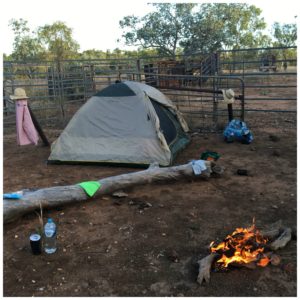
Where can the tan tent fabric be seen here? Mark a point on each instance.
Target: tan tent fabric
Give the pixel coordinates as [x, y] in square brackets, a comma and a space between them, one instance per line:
[158, 96]
[116, 129]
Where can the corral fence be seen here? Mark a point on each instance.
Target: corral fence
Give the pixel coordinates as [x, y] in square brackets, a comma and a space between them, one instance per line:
[264, 81]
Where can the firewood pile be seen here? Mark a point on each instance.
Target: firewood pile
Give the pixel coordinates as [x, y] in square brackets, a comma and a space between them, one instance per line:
[245, 247]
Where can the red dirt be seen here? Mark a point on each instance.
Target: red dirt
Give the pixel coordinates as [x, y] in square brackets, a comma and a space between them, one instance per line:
[121, 247]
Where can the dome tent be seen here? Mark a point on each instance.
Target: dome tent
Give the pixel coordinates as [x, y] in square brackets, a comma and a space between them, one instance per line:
[127, 122]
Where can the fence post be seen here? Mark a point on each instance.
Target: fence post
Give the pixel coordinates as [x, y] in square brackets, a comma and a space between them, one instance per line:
[215, 104]
[138, 67]
[216, 64]
[60, 89]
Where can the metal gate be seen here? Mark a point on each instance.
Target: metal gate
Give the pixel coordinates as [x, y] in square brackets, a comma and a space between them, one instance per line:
[263, 78]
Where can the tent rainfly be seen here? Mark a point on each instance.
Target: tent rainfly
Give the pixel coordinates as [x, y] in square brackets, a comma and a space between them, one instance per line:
[125, 123]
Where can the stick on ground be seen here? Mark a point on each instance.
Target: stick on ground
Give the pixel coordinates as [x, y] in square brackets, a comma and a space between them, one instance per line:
[204, 268]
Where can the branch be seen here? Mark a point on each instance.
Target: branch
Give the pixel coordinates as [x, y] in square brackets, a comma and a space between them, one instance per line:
[282, 240]
[204, 268]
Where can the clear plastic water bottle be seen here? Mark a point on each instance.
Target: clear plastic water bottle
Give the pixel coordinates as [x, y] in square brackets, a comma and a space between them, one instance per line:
[50, 237]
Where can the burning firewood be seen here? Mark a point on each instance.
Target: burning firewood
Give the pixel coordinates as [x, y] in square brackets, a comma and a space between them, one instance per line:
[204, 268]
[245, 247]
[282, 240]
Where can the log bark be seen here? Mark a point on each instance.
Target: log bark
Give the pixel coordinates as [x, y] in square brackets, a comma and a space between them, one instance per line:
[63, 195]
[282, 240]
[204, 268]
[272, 231]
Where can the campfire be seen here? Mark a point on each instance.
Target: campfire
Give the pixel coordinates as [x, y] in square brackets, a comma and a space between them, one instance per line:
[245, 247]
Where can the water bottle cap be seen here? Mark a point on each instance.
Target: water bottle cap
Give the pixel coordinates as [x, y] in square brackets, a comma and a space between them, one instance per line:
[50, 220]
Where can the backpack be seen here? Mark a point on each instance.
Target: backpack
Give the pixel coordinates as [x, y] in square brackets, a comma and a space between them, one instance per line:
[237, 130]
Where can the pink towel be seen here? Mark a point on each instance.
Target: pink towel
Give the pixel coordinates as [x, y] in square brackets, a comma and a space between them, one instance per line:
[26, 132]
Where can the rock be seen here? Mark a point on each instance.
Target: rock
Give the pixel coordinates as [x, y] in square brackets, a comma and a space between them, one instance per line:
[242, 172]
[173, 256]
[120, 194]
[117, 202]
[194, 133]
[276, 153]
[144, 205]
[108, 249]
[160, 288]
[192, 214]
[141, 204]
[288, 268]
[275, 260]
[274, 138]
[85, 284]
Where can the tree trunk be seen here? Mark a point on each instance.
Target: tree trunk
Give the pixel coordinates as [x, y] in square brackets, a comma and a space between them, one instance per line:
[63, 195]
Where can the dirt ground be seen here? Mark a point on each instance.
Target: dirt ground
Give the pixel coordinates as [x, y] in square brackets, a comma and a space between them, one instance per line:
[125, 247]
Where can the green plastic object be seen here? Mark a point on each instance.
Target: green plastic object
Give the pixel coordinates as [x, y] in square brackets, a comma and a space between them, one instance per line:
[210, 155]
[90, 187]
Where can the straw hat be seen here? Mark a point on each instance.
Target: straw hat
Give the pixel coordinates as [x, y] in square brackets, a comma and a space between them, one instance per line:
[19, 93]
[228, 96]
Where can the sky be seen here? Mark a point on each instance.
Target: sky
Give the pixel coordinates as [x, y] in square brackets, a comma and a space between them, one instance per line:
[95, 23]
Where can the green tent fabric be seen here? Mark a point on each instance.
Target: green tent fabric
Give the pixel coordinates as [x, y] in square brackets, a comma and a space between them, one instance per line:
[90, 187]
[125, 123]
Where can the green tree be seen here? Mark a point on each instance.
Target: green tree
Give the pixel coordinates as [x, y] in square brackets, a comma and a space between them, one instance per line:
[226, 26]
[58, 40]
[26, 48]
[162, 29]
[285, 34]
[26, 45]
[92, 54]
[195, 28]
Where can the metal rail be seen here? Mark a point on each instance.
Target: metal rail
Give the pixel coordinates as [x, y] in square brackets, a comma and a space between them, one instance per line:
[80, 79]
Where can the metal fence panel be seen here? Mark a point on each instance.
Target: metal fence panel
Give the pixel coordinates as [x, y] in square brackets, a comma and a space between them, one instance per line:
[266, 79]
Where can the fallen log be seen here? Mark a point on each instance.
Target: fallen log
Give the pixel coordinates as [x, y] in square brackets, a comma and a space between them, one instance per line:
[63, 195]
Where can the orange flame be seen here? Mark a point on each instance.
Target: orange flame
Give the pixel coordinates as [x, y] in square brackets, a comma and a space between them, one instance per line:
[243, 246]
